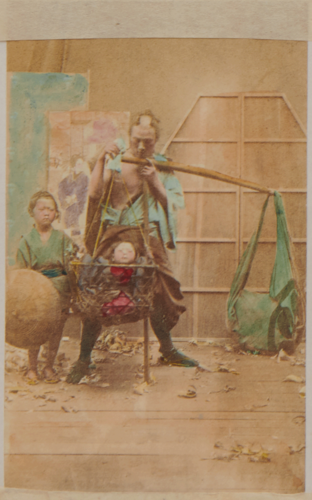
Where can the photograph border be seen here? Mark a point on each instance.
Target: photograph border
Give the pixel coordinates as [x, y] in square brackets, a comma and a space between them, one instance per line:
[286, 9]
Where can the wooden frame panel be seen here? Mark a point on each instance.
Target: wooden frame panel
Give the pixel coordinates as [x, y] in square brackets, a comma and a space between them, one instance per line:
[255, 136]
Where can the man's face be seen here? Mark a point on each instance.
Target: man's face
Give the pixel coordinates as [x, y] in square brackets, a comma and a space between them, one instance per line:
[142, 141]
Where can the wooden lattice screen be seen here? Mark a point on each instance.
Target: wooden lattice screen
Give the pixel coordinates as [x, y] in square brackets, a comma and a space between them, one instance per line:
[255, 136]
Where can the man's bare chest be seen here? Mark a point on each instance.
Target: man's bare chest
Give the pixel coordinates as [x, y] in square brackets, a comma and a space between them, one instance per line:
[127, 186]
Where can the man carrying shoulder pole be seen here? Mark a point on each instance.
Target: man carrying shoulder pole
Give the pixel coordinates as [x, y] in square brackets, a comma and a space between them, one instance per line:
[125, 208]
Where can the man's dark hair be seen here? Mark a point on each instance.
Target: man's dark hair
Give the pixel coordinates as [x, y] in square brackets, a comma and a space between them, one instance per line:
[37, 196]
[154, 122]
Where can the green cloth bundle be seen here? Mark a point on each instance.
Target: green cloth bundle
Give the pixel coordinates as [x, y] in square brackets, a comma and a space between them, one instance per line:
[266, 322]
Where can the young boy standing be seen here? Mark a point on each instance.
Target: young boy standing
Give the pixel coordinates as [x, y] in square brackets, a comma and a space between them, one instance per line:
[48, 251]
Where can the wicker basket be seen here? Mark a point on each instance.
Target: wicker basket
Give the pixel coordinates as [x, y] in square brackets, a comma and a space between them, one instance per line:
[99, 294]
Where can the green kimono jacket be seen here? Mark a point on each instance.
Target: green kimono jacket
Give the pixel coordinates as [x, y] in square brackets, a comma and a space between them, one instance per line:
[50, 258]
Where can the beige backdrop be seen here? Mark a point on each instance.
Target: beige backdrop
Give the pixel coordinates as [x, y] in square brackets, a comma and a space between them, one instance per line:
[167, 74]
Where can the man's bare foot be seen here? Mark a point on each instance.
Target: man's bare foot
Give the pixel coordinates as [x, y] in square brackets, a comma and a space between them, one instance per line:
[31, 377]
[50, 375]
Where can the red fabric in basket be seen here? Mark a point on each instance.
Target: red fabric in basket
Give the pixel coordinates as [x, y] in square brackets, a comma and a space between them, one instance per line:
[123, 273]
[121, 305]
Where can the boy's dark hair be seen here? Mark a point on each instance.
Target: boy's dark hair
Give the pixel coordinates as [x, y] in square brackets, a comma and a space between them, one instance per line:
[154, 122]
[37, 196]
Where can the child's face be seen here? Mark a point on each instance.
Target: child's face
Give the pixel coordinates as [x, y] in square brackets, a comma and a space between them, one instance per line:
[124, 253]
[44, 212]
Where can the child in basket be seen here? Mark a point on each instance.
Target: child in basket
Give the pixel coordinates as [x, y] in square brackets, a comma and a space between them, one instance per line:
[123, 254]
[47, 251]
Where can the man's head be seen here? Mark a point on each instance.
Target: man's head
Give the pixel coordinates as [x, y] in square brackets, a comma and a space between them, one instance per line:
[144, 133]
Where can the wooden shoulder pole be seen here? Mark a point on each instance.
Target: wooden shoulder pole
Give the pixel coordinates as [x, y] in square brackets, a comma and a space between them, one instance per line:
[145, 211]
[203, 172]
[146, 351]
[145, 325]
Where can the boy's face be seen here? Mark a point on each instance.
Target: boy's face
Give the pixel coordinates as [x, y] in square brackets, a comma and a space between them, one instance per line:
[124, 253]
[44, 212]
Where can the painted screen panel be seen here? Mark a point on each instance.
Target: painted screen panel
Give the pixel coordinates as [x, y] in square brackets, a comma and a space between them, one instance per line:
[31, 96]
[75, 141]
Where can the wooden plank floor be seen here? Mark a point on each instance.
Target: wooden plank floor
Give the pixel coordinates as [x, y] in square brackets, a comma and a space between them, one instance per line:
[97, 439]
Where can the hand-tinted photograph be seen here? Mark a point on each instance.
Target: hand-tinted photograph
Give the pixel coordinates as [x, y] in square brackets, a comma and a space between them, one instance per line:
[156, 265]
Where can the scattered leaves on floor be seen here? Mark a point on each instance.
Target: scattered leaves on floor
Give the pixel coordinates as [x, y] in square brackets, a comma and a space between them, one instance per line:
[190, 393]
[228, 348]
[213, 343]
[227, 388]
[218, 444]
[255, 452]
[299, 419]
[15, 390]
[254, 407]
[116, 342]
[98, 360]
[263, 457]
[226, 456]
[15, 359]
[152, 379]
[202, 368]
[298, 362]
[221, 368]
[85, 380]
[294, 378]
[69, 410]
[302, 392]
[296, 449]
[102, 384]
[140, 389]
[93, 380]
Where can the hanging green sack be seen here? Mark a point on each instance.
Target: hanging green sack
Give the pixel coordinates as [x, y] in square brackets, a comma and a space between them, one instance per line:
[267, 322]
